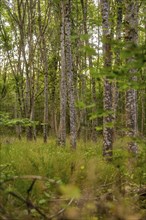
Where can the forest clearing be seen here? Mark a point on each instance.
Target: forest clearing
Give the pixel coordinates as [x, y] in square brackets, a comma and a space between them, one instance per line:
[73, 109]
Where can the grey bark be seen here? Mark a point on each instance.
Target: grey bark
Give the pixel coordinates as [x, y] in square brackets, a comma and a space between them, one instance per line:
[30, 101]
[69, 70]
[53, 66]
[84, 123]
[94, 100]
[43, 48]
[26, 30]
[67, 80]
[107, 95]
[143, 111]
[131, 38]
[63, 89]
[119, 13]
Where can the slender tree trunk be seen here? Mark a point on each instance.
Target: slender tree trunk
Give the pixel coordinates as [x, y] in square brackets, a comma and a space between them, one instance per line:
[94, 82]
[63, 89]
[107, 96]
[117, 59]
[45, 127]
[18, 115]
[53, 72]
[131, 38]
[143, 92]
[83, 76]
[46, 105]
[69, 70]
[143, 112]
[45, 69]
[94, 100]
[28, 57]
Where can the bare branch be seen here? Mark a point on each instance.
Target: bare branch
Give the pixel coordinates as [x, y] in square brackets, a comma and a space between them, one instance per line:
[29, 177]
[62, 210]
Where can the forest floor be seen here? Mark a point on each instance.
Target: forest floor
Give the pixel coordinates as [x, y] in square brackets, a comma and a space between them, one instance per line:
[45, 181]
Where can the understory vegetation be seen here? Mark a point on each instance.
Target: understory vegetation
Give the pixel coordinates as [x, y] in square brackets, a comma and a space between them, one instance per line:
[46, 181]
[73, 110]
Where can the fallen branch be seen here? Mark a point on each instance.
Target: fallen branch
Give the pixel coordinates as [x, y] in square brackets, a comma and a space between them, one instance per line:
[33, 206]
[29, 177]
[28, 194]
[28, 203]
[61, 211]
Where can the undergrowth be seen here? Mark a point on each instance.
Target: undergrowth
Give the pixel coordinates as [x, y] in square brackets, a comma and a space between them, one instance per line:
[98, 189]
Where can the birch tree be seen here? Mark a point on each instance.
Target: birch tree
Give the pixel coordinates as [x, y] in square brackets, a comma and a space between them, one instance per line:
[131, 38]
[119, 16]
[107, 96]
[44, 54]
[67, 76]
[69, 70]
[63, 89]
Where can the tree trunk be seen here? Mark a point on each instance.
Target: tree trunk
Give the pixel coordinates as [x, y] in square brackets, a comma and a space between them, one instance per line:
[45, 69]
[94, 100]
[63, 89]
[83, 76]
[131, 38]
[143, 112]
[117, 59]
[18, 115]
[70, 81]
[107, 95]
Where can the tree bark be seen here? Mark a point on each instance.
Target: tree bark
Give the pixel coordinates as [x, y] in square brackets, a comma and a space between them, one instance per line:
[63, 89]
[107, 95]
[43, 48]
[131, 38]
[119, 13]
[69, 70]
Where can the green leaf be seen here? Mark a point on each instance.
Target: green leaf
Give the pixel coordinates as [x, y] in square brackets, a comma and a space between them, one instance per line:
[42, 201]
[99, 128]
[109, 125]
[89, 50]
[85, 37]
[80, 104]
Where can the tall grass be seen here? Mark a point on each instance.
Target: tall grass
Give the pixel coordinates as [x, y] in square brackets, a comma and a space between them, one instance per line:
[84, 168]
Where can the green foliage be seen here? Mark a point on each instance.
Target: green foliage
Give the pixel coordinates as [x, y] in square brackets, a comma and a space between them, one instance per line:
[6, 121]
[73, 174]
[82, 105]
[88, 50]
[82, 174]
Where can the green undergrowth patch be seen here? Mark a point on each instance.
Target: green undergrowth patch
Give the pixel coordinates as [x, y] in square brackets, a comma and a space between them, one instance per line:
[80, 173]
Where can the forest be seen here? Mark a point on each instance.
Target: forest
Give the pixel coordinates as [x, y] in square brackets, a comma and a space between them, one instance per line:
[73, 109]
